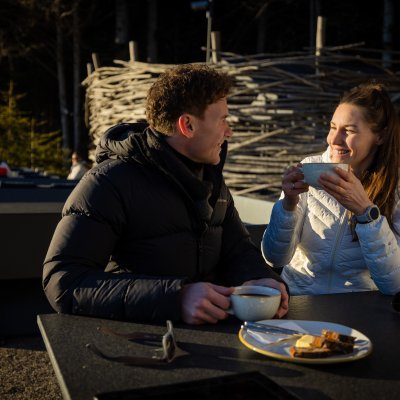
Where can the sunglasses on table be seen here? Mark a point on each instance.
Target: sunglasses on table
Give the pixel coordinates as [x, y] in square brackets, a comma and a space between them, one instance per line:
[162, 355]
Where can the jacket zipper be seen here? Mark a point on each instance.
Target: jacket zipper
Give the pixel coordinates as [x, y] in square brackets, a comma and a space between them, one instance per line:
[338, 237]
[202, 224]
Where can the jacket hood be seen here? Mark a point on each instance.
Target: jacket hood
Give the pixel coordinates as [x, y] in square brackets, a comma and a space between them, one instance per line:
[115, 142]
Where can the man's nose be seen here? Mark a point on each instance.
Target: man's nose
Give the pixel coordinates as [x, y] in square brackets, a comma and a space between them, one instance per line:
[228, 132]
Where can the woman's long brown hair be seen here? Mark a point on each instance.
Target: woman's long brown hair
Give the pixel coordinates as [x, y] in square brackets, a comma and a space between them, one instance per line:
[380, 181]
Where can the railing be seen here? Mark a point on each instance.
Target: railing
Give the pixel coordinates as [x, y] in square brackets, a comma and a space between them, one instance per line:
[29, 212]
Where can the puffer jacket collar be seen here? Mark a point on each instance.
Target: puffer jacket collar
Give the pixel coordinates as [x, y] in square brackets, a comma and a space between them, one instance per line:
[138, 143]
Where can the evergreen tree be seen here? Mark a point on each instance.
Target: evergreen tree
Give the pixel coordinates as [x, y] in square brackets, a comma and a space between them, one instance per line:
[23, 144]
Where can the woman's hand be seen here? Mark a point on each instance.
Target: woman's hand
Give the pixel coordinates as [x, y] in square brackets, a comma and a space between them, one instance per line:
[347, 189]
[292, 186]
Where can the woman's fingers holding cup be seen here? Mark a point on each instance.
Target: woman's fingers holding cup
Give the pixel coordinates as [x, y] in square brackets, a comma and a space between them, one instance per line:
[347, 189]
[294, 187]
[293, 180]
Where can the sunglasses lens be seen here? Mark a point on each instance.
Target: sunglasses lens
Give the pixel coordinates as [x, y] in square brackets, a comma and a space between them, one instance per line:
[396, 302]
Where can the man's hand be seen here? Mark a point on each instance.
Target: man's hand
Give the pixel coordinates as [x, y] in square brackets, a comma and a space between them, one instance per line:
[204, 302]
[284, 306]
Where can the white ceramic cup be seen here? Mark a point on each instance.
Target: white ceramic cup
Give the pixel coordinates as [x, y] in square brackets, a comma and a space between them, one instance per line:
[255, 303]
[312, 171]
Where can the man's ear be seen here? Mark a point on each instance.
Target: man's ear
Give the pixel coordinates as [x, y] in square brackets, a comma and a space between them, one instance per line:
[185, 124]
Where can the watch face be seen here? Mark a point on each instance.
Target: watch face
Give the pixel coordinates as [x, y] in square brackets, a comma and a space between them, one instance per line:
[374, 213]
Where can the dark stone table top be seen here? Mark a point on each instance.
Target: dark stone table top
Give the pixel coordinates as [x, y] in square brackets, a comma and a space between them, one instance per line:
[215, 351]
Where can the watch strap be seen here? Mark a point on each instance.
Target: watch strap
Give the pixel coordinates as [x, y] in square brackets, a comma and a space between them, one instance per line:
[372, 213]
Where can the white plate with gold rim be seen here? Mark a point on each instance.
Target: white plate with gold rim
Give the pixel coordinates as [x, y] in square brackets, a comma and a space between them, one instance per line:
[254, 340]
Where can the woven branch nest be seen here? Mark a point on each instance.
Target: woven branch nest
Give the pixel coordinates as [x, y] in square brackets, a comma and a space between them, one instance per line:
[280, 107]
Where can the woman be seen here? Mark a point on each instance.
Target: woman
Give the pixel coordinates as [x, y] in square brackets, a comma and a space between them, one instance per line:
[346, 236]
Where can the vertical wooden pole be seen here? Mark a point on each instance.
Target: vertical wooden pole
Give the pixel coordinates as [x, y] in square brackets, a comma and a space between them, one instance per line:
[95, 61]
[89, 69]
[320, 40]
[216, 47]
[133, 51]
[209, 24]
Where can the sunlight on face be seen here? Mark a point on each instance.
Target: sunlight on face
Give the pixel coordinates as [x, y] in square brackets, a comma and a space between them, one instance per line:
[351, 139]
[209, 133]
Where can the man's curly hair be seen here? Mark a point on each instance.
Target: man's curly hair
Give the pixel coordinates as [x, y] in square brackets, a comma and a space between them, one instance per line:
[188, 88]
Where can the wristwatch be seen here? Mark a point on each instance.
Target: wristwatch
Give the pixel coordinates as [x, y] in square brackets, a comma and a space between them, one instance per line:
[372, 213]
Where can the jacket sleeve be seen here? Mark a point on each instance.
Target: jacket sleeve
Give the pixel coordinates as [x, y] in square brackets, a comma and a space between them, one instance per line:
[381, 250]
[74, 276]
[241, 259]
[283, 233]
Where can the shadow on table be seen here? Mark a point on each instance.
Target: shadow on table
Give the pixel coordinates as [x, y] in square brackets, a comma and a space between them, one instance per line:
[189, 355]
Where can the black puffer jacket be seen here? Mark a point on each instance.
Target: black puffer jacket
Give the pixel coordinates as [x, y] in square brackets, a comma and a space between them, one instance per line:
[138, 226]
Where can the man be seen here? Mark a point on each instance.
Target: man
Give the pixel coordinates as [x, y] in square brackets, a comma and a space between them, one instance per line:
[151, 233]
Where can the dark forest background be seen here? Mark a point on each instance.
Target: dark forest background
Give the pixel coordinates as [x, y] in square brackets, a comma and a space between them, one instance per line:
[45, 46]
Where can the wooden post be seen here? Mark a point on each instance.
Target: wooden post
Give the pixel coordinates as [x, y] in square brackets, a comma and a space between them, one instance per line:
[209, 16]
[89, 69]
[320, 40]
[95, 61]
[216, 47]
[133, 51]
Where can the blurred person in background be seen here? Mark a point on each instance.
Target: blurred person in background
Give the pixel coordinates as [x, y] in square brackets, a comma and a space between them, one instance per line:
[78, 167]
[5, 170]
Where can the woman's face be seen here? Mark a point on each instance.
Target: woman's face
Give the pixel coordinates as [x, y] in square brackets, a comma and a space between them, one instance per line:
[351, 139]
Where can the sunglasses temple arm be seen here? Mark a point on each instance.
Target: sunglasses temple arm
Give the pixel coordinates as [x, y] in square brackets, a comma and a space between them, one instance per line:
[127, 360]
[131, 335]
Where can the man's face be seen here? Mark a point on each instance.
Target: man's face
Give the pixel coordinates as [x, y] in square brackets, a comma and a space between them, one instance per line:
[209, 133]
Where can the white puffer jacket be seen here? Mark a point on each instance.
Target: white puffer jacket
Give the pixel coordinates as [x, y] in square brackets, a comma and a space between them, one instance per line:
[314, 245]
